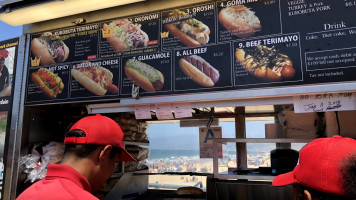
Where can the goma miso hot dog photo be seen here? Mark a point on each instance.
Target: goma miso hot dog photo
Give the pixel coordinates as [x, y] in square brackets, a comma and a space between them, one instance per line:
[49, 49]
[240, 21]
[265, 63]
[199, 70]
[145, 76]
[96, 79]
[191, 32]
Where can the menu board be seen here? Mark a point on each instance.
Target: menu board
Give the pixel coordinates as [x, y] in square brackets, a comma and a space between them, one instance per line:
[205, 47]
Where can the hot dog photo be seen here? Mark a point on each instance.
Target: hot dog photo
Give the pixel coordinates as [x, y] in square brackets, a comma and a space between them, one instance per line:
[47, 83]
[239, 20]
[268, 60]
[190, 27]
[206, 67]
[49, 49]
[266, 63]
[152, 73]
[124, 34]
[94, 78]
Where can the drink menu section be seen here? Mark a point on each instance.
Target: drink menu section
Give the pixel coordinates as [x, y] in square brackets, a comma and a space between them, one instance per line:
[213, 46]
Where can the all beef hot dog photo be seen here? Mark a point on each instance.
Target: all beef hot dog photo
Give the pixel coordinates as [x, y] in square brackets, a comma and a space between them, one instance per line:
[49, 49]
[199, 70]
[203, 68]
[95, 79]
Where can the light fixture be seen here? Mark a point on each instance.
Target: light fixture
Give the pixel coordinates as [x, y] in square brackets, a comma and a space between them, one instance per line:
[26, 12]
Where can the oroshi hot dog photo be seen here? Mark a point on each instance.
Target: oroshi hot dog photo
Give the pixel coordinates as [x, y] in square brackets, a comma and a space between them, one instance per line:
[191, 32]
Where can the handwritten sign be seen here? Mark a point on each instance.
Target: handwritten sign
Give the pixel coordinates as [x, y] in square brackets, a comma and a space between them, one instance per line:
[182, 110]
[164, 111]
[324, 102]
[143, 112]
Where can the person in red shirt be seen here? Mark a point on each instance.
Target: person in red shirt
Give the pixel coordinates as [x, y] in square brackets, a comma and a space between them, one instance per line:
[326, 170]
[93, 146]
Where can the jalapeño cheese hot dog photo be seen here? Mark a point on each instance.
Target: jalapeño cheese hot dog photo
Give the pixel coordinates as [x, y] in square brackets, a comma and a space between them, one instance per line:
[145, 76]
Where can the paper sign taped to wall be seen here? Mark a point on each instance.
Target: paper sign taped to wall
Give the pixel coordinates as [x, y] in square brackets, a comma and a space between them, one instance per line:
[182, 110]
[164, 111]
[143, 112]
[324, 102]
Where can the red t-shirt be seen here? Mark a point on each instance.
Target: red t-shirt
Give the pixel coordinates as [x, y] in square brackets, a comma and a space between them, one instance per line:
[61, 183]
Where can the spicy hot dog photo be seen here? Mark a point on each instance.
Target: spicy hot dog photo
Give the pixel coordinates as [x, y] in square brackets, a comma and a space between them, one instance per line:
[203, 68]
[47, 83]
[95, 78]
[150, 72]
[137, 32]
[267, 60]
[240, 20]
[189, 26]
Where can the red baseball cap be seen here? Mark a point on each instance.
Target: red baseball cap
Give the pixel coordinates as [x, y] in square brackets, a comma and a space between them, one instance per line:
[319, 165]
[100, 130]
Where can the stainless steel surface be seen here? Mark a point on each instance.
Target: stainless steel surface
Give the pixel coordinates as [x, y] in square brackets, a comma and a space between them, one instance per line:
[14, 145]
[250, 94]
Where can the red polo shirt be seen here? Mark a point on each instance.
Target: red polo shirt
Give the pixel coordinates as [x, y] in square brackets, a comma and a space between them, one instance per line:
[61, 183]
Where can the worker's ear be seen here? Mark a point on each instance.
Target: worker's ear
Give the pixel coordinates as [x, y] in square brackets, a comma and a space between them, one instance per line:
[105, 153]
[307, 195]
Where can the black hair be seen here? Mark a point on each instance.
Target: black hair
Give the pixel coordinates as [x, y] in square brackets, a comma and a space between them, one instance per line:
[84, 150]
[299, 194]
[2, 59]
[348, 175]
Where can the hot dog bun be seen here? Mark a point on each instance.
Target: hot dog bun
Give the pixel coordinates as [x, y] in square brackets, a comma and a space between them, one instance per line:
[145, 76]
[115, 42]
[90, 84]
[206, 76]
[37, 79]
[240, 21]
[184, 38]
[279, 71]
[41, 48]
[125, 35]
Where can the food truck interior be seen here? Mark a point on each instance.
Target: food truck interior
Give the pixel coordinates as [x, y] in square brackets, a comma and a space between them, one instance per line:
[258, 142]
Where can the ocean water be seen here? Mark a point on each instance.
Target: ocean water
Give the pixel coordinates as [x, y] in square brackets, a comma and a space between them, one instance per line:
[163, 153]
[171, 154]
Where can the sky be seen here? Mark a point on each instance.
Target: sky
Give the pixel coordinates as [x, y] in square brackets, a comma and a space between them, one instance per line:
[8, 31]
